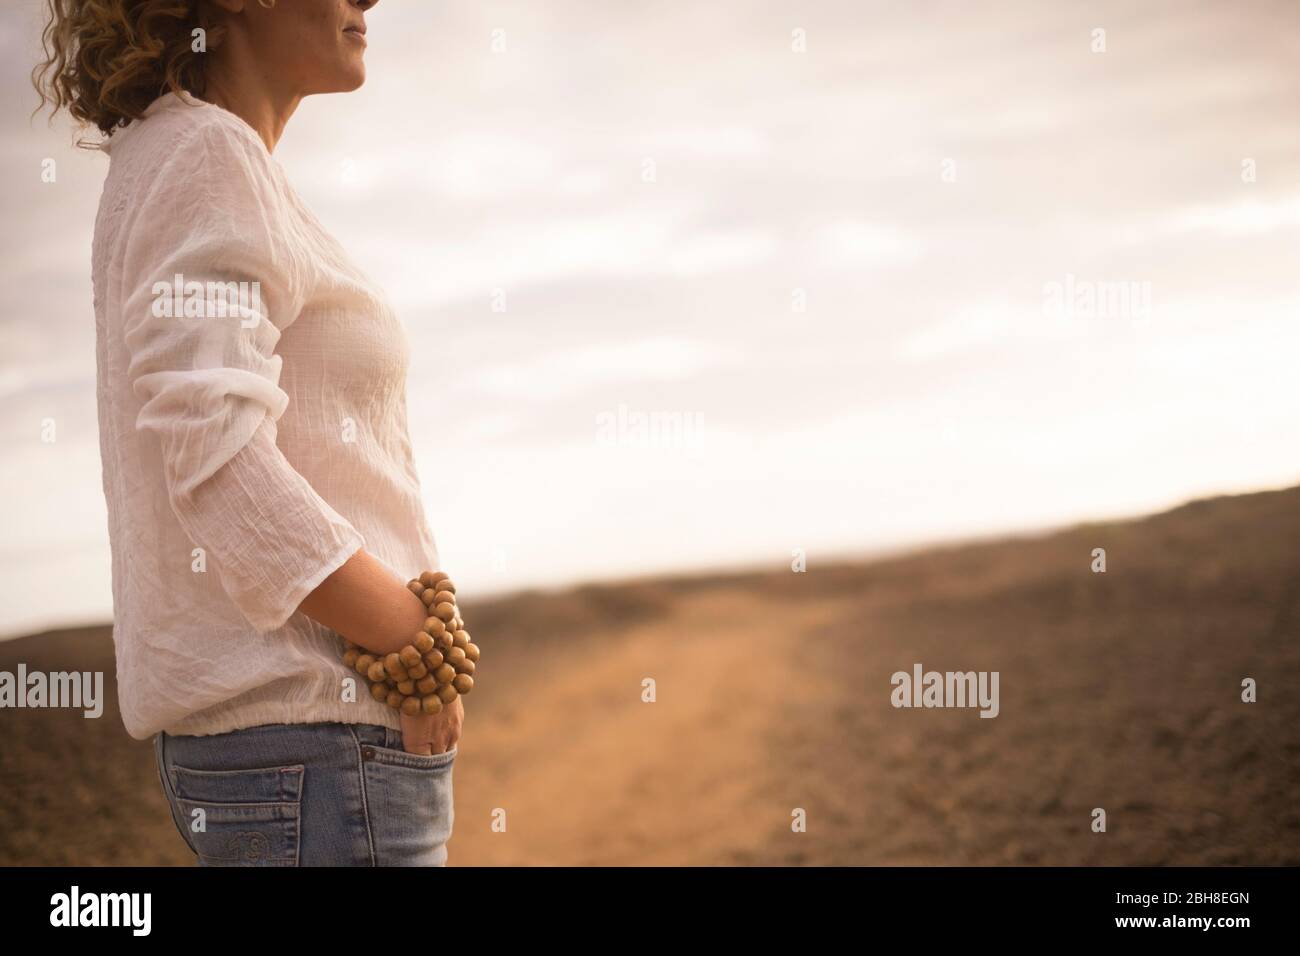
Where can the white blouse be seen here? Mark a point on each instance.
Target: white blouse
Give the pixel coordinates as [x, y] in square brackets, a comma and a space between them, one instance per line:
[252, 425]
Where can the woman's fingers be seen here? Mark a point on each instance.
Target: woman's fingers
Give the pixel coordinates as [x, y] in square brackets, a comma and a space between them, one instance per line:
[419, 735]
[426, 735]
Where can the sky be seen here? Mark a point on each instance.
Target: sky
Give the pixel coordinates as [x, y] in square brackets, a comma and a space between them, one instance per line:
[878, 274]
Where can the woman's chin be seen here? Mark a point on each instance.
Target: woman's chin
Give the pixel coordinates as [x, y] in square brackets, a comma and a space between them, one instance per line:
[349, 78]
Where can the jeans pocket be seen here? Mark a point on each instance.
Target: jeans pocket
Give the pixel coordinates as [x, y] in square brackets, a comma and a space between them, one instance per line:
[160, 760]
[410, 799]
[393, 757]
[241, 817]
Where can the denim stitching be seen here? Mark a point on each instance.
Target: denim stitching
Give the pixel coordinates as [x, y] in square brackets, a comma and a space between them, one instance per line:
[365, 806]
[164, 775]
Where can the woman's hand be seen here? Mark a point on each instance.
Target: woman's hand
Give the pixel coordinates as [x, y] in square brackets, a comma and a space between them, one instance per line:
[436, 734]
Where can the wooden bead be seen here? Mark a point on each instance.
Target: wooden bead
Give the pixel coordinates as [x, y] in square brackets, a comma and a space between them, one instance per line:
[436, 666]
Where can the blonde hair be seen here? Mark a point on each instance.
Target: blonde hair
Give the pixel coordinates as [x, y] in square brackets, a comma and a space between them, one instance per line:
[107, 60]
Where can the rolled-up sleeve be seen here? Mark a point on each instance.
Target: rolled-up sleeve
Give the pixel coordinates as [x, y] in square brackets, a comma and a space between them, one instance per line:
[209, 286]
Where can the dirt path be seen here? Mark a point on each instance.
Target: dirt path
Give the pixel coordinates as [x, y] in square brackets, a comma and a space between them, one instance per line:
[588, 773]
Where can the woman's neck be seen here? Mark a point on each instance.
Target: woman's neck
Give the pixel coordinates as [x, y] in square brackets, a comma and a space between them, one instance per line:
[236, 84]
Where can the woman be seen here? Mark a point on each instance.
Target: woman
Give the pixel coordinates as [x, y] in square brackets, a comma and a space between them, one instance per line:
[262, 499]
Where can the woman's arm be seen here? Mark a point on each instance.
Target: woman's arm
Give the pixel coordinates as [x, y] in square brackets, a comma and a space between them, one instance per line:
[367, 605]
[363, 602]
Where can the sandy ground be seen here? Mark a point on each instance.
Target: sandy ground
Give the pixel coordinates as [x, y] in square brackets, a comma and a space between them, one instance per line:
[1118, 690]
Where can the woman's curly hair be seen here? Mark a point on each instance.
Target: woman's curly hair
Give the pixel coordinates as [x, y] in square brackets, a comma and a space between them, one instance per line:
[107, 60]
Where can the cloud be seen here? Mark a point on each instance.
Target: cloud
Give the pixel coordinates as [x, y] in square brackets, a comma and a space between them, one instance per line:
[575, 368]
[857, 244]
[1242, 218]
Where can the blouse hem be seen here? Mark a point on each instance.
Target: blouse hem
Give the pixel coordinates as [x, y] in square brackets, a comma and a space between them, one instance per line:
[282, 712]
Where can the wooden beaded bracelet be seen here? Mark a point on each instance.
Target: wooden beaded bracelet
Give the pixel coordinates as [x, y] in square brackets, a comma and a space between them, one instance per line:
[435, 668]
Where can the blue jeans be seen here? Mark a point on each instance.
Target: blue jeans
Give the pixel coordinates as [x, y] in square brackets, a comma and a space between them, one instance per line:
[319, 794]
